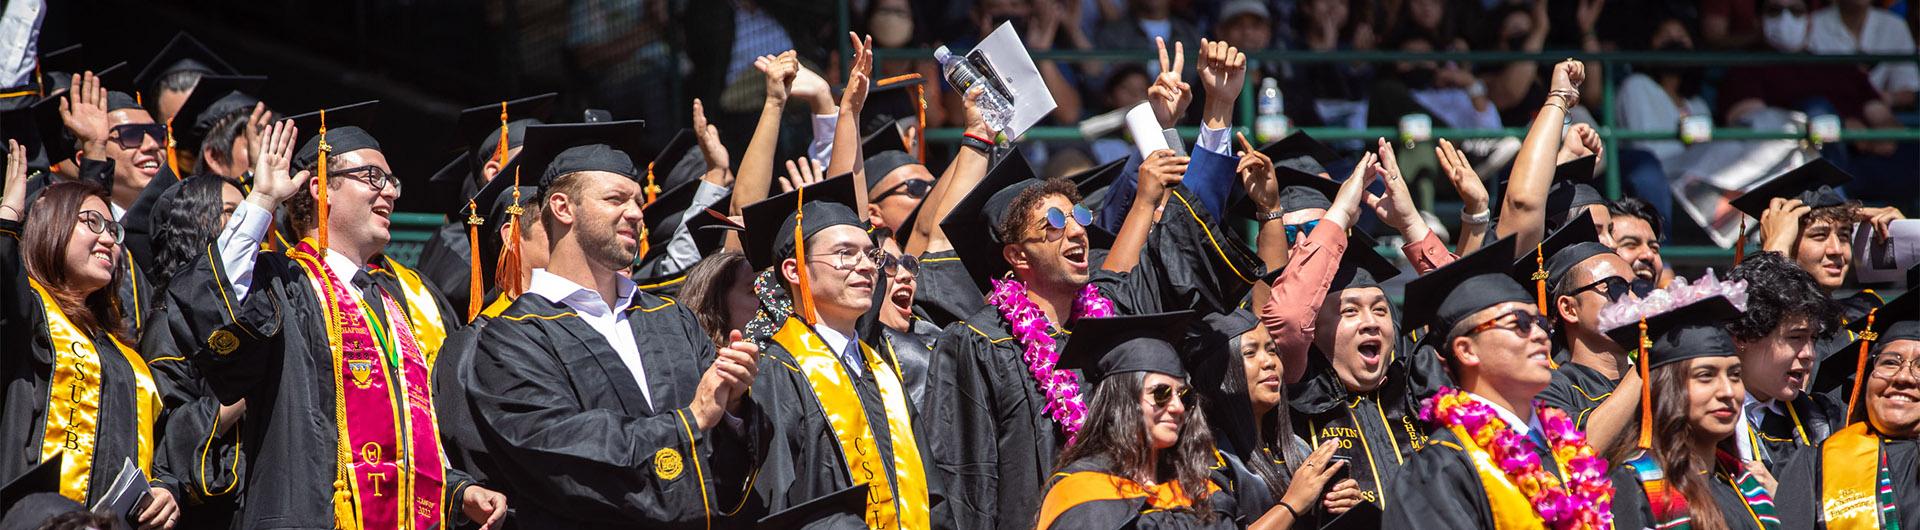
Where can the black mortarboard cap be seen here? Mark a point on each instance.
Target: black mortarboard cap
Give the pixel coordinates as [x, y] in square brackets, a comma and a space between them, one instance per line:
[1572, 188]
[972, 225]
[885, 139]
[346, 131]
[33, 497]
[1205, 354]
[770, 221]
[183, 54]
[1361, 266]
[665, 164]
[45, 113]
[844, 509]
[555, 150]
[887, 103]
[1298, 162]
[1815, 183]
[1565, 248]
[458, 169]
[1474, 282]
[214, 98]
[664, 213]
[878, 165]
[43, 477]
[65, 61]
[905, 231]
[1897, 320]
[1691, 331]
[481, 124]
[1107, 346]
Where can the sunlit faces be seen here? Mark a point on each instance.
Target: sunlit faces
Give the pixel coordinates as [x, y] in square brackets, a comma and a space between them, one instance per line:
[358, 211]
[1714, 396]
[1825, 250]
[1602, 223]
[1045, 256]
[899, 193]
[840, 272]
[135, 151]
[1355, 329]
[607, 217]
[1775, 366]
[93, 247]
[1634, 240]
[230, 197]
[901, 284]
[1592, 292]
[1893, 390]
[740, 299]
[1163, 407]
[1260, 361]
[1508, 345]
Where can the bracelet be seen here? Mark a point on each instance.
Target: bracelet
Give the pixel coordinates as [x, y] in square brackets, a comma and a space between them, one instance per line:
[983, 139]
[1283, 504]
[1484, 217]
[974, 141]
[1269, 216]
[1569, 95]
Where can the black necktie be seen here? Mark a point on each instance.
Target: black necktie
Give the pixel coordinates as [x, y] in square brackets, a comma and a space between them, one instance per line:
[371, 300]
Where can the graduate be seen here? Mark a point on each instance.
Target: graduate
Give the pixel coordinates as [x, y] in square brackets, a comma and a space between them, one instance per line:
[329, 330]
[904, 336]
[838, 412]
[1489, 433]
[91, 402]
[1786, 315]
[1577, 278]
[170, 77]
[501, 131]
[1004, 409]
[602, 406]
[1872, 462]
[1679, 465]
[1140, 460]
[899, 182]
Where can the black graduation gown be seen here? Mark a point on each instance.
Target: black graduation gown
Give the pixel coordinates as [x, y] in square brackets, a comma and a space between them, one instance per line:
[1780, 436]
[447, 263]
[452, 408]
[138, 221]
[282, 365]
[1439, 488]
[1798, 500]
[1134, 513]
[208, 466]
[27, 371]
[1631, 509]
[574, 441]
[1378, 430]
[995, 446]
[913, 350]
[1577, 390]
[943, 292]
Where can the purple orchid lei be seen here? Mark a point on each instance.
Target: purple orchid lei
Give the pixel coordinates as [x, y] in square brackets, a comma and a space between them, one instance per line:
[1030, 327]
[1583, 501]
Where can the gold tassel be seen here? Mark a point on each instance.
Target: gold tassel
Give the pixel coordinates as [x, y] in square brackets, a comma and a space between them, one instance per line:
[173, 160]
[652, 190]
[1860, 365]
[1740, 245]
[803, 300]
[320, 206]
[475, 294]
[500, 149]
[506, 273]
[1646, 387]
[343, 506]
[1540, 275]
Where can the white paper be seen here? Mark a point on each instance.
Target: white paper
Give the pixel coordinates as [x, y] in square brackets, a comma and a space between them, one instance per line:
[1876, 262]
[1003, 57]
[1145, 129]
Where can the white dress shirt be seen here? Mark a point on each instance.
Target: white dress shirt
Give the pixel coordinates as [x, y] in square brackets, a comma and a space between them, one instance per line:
[1524, 427]
[842, 347]
[609, 321]
[240, 245]
[824, 126]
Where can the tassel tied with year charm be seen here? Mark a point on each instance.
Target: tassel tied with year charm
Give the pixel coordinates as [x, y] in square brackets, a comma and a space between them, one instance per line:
[506, 272]
[1867, 336]
[474, 290]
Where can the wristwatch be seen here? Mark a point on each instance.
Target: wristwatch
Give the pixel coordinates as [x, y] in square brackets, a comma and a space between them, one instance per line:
[1269, 216]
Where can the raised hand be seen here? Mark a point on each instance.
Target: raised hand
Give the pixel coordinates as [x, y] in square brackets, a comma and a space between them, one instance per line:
[860, 78]
[1257, 176]
[13, 203]
[813, 89]
[1353, 191]
[801, 172]
[1568, 75]
[1045, 24]
[1396, 207]
[84, 112]
[1170, 96]
[1585, 141]
[1223, 70]
[1161, 170]
[1466, 182]
[976, 123]
[1882, 220]
[780, 70]
[257, 124]
[1780, 225]
[272, 181]
[708, 137]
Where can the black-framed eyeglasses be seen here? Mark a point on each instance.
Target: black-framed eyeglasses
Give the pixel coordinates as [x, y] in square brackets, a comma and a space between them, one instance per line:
[915, 189]
[1522, 321]
[1615, 287]
[1163, 394]
[101, 224]
[848, 259]
[375, 178]
[1057, 220]
[891, 264]
[1887, 365]
[131, 135]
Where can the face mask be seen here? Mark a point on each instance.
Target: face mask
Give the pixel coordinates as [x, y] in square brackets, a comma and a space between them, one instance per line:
[891, 30]
[1786, 32]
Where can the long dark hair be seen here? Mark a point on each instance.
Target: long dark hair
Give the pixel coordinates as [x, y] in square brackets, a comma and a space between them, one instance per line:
[705, 292]
[50, 223]
[1675, 454]
[1113, 431]
[186, 218]
[1274, 435]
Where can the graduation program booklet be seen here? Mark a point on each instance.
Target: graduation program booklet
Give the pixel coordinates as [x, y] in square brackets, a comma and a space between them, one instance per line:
[1002, 58]
[1876, 261]
[127, 495]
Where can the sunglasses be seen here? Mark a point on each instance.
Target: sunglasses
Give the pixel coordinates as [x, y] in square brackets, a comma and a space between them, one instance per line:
[1523, 323]
[892, 265]
[101, 224]
[1057, 221]
[1615, 288]
[1162, 394]
[916, 189]
[1295, 231]
[131, 135]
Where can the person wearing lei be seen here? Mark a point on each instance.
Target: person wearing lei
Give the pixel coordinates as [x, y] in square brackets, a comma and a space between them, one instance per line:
[1867, 474]
[1496, 458]
[330, 339]
[1693, 478]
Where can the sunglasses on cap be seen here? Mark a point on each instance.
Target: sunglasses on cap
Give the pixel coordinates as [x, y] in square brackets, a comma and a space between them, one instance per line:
[1162, 394]
[915, 189]
[1615, 288]
[131, 135]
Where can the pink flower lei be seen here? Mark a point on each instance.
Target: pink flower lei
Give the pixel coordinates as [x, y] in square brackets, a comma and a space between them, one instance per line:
[1030, 327]
[1584, 501]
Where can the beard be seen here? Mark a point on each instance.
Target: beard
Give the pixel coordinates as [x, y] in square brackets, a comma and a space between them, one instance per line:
[601, 240]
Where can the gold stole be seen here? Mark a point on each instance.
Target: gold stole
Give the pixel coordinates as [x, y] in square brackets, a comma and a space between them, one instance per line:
[73, 400]
[1510, 508]
[1849, 478]
[423, 314]
[832, 386]
[1079, 488]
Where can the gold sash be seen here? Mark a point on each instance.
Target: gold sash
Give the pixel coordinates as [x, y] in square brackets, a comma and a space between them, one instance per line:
[834, 389]
[423, 314]
[73, 401]
[1849, 479]
[1511, 510]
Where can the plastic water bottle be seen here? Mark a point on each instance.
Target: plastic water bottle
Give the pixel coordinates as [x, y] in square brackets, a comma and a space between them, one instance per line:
[994, 106]
[1272, 122]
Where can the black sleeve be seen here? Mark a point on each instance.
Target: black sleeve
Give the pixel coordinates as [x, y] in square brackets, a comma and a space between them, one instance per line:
[1437, 489]
[965, 446]
[1798, 500]
[21, 315]
[97, 172]
[1630, 508]
[1188, 263]
[237, 344]
[204, 463]
[943, 292]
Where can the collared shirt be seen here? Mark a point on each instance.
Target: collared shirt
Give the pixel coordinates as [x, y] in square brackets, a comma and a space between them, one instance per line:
[240, 244]
[1757, 410]
[19, 38]
[609, 321]
[842, 347]
[821, 149]
[1525, 428]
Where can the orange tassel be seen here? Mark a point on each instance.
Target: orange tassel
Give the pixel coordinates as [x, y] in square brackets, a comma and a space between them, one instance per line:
[1740, 245]
[475, 294]
[1860, 365]
[1646, 387]
[653, 191]
[919, 111]
[1540, 275]
[320, 208]
[803, 300]
[173, 160]
[500, 149]
[506, 272]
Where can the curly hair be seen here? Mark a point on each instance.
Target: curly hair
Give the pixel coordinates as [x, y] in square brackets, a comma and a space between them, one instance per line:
[1840, 216]
[186, 218]
[1114, 431]
[1020, 213]
[1777, 289]
[1637, 208]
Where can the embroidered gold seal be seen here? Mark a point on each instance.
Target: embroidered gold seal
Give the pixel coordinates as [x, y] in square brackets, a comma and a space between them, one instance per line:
[223, 342]
[666, 463]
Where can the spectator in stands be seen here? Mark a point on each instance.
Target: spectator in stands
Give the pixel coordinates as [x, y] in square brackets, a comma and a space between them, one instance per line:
[1043, 24]
[1856, 26]
[1656, 98]
[1126, 85]
[1448, 92]
[1145, 21]
[1513, 85]
[1327, 94]
[895, 24]
[1729, 24]
[1818, 89]
[1436, 18]
[1248, 24]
